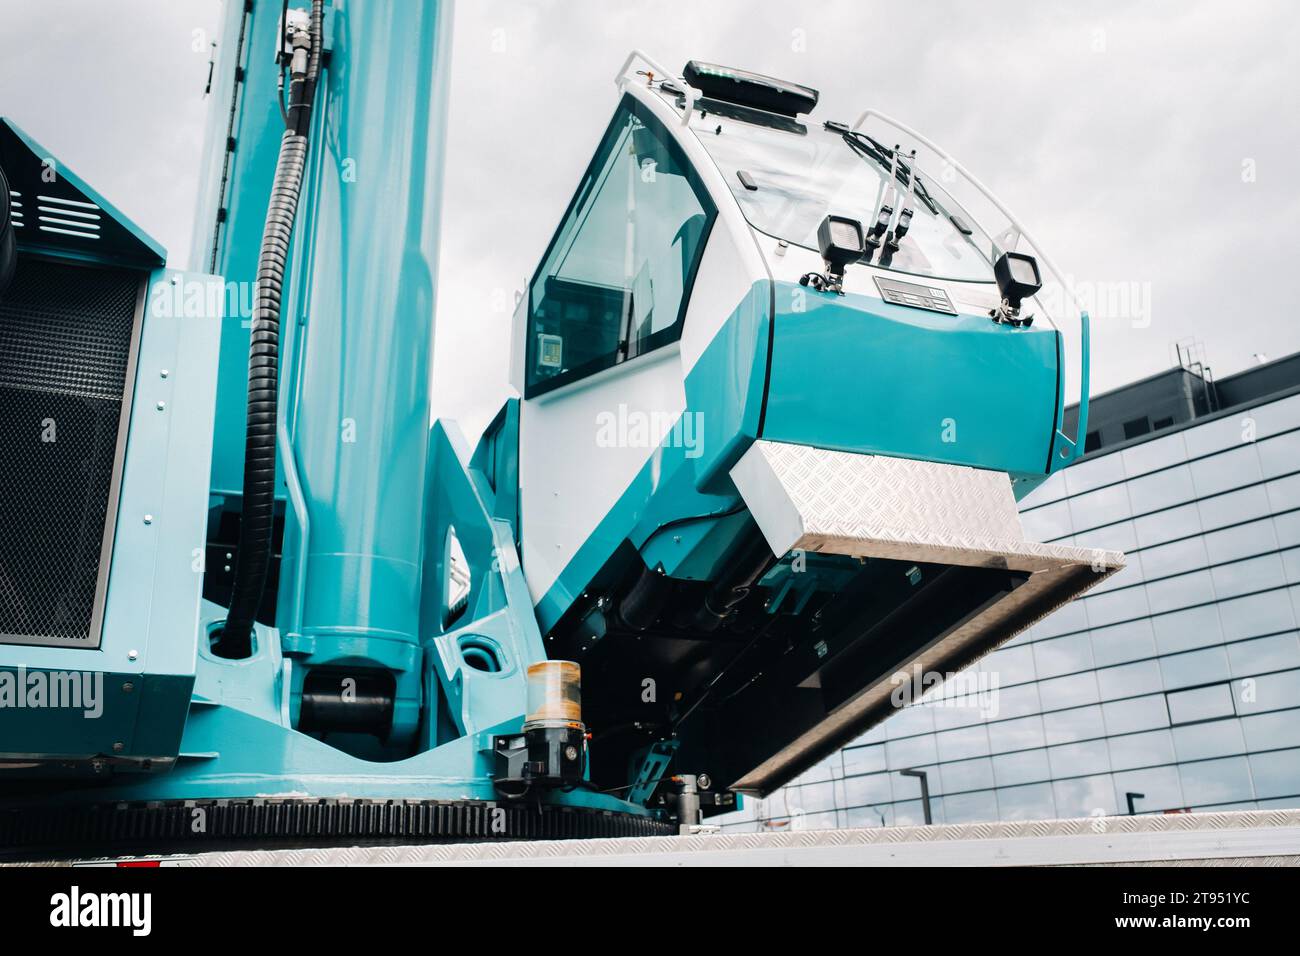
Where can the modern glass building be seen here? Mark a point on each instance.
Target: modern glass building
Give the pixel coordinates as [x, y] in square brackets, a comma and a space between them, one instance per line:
[1173, 686]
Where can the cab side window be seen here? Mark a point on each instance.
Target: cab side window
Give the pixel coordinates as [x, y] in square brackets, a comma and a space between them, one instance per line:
[615, 280]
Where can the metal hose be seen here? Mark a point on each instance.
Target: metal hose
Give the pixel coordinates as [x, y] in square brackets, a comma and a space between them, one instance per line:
[256, 525]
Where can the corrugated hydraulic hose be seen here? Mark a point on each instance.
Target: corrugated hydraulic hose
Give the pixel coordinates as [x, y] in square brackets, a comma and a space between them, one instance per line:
[8, 244]
[255, 529]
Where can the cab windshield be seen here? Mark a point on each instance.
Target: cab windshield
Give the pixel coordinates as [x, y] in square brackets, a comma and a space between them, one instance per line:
[788, 177]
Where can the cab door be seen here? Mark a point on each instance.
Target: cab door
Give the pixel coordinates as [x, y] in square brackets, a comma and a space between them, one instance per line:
[602, 375]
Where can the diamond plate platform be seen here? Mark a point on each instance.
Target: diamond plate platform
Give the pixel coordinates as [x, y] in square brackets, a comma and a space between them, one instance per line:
[872, 506]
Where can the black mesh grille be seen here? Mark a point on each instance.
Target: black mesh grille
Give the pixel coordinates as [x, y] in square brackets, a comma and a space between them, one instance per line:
[65, 341]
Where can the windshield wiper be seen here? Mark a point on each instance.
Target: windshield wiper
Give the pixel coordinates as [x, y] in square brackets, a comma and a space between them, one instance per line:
[882, 156]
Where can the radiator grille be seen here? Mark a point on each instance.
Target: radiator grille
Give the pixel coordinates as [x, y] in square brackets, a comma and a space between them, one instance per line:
[65, 348]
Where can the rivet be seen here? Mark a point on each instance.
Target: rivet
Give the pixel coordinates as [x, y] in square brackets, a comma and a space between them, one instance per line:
[148, 519]
[119, 747]
[128, 687]
[163, 373]
[161, 406]
[132, 654]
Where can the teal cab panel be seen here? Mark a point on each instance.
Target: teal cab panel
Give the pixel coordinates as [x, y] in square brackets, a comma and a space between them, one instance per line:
[854, 373]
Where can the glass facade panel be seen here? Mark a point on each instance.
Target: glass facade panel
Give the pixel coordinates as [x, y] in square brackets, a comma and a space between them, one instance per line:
[1069, 726]
[1174, 685]
[1134, 714]
[1195, 667]
[1203, 703]
[1216, 781]
[1025, 766]
[1218, 738]
[1276, 774]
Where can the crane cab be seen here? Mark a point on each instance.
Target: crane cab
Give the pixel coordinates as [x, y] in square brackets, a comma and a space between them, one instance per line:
[709, 442]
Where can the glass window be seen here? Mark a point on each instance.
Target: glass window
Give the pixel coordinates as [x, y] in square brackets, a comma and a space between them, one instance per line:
[1182, 591]
[1137, 713]
[970, 807]
[1278, 653]
[1242, 577]
[1021, 734]
[911, 752]
[1233, 508]
[1174, 558]
[1287, 529]
[861, 818]
[1031, 802]
[1112, 607]
[1276, 774]
[1283, 493]
[1115, 537]
[1188, 629]
[615, 279]
[1167, 525]
[1073, 691]
[967, 742]
[1195, 667]
[1070, 760]
[1157, 453]
[1203, 703]
[1243, 541]
[1063, 655]
[1256, 614]
[1047, 523]
[910, 721]
[1252, 695]
[1119, 643]
[1151, 749]
[1085, 796]
[872, 789]
[1272, 731]
[1068, 726]
[1221, 472]
[964, 775]
[1129, 680]
[1094, 473]
[1100, 507]
[1173, 486]
[802, 175]
[1278, 456]
[1018, 701]
[1217, 738]
[1013, 665]
[1216, 781]
[1027, 766]
[1065, 620]
[859, 760]
[1155, 789]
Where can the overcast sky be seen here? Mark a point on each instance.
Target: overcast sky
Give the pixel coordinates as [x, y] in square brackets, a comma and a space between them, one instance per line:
[1151, 147]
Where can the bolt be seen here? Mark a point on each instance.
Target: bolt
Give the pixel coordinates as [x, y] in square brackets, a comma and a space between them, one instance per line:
[161, 406]
[128, 687]
[132, 654]
[162, 373]
[148, 519]
[119, 747]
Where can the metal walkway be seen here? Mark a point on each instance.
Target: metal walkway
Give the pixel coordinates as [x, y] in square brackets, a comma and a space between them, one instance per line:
[1260, 838]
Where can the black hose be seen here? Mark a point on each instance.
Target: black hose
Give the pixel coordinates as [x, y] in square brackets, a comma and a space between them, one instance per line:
[256, 525]
[8, 243]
